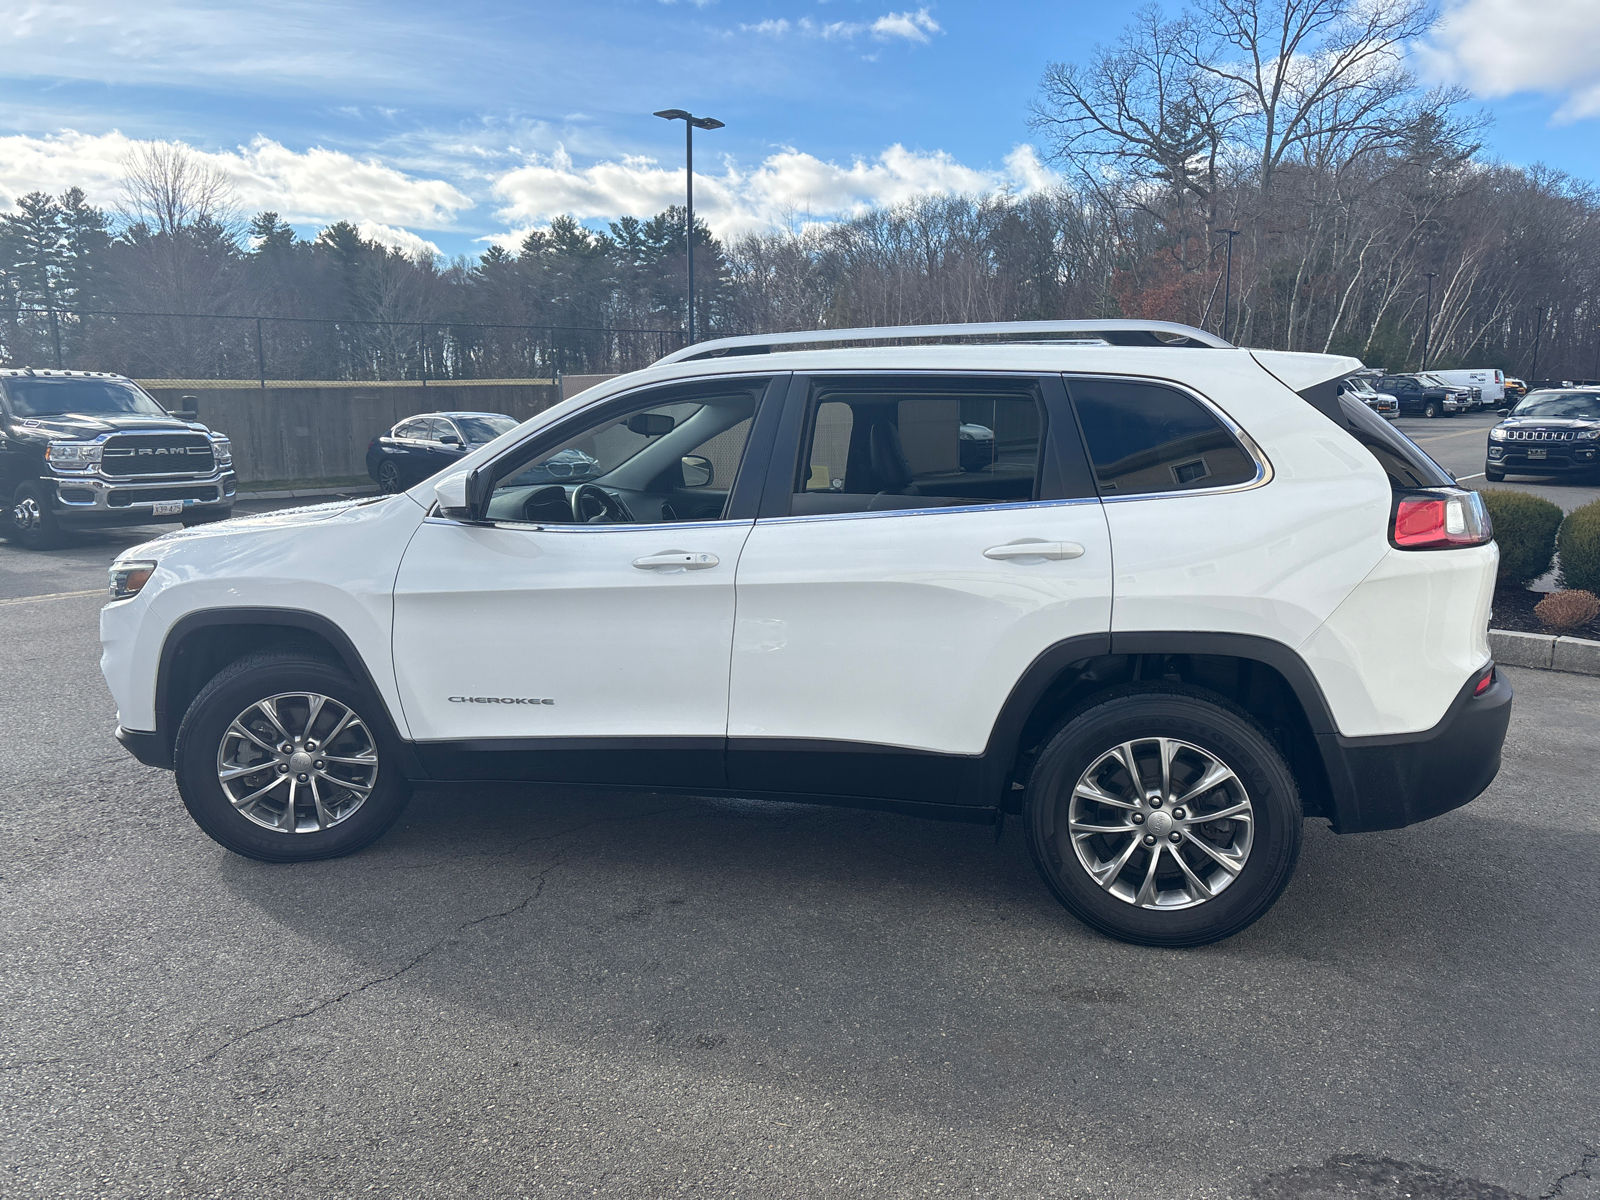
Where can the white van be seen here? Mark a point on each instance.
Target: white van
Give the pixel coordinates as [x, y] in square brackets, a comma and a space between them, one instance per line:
[1493, 383]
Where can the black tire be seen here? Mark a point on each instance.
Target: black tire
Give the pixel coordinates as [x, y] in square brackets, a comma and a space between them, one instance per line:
[208, 518]
[389, 481]
[1494, 476]
[1430, 409]
[1220, 729]
[30, 522]
[200, 744]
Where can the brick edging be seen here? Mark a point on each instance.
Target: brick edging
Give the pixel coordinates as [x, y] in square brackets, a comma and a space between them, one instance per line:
[1545, 652]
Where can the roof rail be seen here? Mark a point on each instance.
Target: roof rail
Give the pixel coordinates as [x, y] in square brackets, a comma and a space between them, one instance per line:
[1119, 331]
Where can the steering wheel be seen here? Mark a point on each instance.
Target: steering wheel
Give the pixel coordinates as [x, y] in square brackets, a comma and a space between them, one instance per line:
[593, 505]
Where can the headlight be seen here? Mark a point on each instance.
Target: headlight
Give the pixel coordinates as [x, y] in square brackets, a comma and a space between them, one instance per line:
[1497, 434]
[222, 448]
[72, 454]
[128, 578]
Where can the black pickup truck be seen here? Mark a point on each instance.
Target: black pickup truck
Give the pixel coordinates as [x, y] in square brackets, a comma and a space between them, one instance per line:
[84, 450]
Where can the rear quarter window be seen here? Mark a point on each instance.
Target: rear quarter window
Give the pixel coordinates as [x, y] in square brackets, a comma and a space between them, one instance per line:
[1407, 464]
[1146, 438]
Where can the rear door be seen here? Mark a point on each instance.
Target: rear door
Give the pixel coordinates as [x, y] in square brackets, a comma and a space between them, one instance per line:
[924, 538]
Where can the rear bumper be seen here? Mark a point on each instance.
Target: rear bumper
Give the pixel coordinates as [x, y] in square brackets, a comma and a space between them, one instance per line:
[1390, 782]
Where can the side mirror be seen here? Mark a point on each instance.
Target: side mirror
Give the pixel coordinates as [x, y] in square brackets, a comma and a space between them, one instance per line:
[1502, 412]
[450, 439]
[450, 493]
[650, 424]
[697, 471]
[190, 410]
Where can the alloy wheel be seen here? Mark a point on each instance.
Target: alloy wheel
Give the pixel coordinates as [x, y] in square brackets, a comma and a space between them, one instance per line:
[297, 762]
[1161, 823]
[27, 515]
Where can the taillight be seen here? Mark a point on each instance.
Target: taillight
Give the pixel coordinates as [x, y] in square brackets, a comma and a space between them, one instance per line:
[1485, 683]
[1439, 520]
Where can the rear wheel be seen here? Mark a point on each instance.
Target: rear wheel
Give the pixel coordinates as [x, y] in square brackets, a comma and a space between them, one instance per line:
[32, 522]
[389, 478]
[283, 758]
[1164, 816]
[1430, 409]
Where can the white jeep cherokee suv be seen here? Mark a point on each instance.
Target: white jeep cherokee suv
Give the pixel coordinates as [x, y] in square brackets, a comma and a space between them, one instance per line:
[1161, 597]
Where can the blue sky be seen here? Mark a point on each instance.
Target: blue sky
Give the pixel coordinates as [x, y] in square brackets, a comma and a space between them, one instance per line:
[457, 123]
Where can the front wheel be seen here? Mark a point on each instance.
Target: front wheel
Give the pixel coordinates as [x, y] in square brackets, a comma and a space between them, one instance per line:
[1164, 816]
[283, 758]
[32, 521]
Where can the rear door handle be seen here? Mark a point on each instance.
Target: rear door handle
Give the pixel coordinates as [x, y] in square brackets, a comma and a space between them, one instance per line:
[1028, 548]
[676, 560]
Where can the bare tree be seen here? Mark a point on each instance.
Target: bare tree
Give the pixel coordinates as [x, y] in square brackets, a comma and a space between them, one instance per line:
[168, 187]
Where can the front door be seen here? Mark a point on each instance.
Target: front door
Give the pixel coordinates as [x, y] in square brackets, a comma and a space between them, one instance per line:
[940, 534]
[583, 632]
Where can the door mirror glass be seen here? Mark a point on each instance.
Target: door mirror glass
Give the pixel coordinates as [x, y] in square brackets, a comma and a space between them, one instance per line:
[650, 424]
[697, 471]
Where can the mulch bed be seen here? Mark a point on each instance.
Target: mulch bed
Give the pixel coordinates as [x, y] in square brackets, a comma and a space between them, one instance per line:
[1513, 610]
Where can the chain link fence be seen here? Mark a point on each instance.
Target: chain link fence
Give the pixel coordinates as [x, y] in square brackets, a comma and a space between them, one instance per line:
[180, 349]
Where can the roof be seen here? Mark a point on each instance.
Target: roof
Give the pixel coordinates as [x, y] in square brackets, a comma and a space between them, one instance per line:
[52, 373]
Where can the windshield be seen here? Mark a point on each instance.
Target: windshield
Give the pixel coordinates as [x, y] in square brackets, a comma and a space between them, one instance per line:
[1566, 406]
[84, 397]
[483, 429]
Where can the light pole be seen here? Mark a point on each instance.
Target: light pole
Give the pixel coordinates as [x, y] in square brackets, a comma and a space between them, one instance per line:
[690, 124]
[1427, 321]
[1538, 332]
[1227, 287]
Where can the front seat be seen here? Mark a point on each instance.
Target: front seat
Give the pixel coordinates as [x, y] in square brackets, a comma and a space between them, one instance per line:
[890, 470]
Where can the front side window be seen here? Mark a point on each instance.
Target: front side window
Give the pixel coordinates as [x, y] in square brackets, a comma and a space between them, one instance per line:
[668, 455]
[1146, 438]
[891, 444]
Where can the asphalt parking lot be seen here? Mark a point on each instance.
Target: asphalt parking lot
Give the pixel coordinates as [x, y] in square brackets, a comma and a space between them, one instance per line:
[1459, 444]
[547, 992]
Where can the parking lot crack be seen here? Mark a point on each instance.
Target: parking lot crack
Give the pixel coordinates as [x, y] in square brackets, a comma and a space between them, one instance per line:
[357, 990]
[1584, 1170]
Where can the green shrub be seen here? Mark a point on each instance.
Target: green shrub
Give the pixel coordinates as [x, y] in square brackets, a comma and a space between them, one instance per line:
[1525, 528]
[1580, 548]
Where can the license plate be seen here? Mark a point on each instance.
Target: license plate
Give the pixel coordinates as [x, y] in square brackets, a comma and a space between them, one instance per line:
[171, 508]
[1541, 452]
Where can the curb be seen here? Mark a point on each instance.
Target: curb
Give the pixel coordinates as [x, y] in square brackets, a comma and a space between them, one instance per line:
[312, 493]
[1545, 652]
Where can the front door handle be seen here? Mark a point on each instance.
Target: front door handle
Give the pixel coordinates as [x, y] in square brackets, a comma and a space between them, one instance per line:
[676, 560]
[1031, 548]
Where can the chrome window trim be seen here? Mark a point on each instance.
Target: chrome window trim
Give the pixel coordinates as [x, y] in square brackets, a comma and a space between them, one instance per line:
[942, 510]
[433, 518]
[1264, 471]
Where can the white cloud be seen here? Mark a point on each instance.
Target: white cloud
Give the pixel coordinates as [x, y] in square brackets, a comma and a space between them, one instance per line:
[911, 26]
[735, 201]
[402, 240]
[1500, 47]
[314, 186]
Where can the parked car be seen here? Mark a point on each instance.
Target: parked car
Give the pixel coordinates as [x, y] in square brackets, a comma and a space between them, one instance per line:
[1418, 397]
[424, 445]
[92, 450]
[1382, 403]
[1469, 396]
[1554, 432]
[1516, 389]
[777, 581]
[1490, 383]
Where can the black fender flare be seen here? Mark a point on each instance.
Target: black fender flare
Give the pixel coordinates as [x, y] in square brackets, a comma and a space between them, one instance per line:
[286, 618]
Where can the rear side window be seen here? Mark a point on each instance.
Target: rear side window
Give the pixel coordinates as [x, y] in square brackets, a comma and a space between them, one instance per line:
[1145, 438]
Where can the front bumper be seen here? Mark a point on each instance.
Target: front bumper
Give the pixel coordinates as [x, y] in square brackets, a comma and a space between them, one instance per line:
[92, 501]
[149, 748]
[1390, 782]
[1559, 457]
